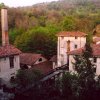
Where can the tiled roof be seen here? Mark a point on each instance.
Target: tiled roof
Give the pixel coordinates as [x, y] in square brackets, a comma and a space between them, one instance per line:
[98, 35]
[95, 48]
[8, 50]
[44, 67]
[29, 58]
[54, 58]
[95, 34]
[71, 34]
[96, 39]
[76, 52]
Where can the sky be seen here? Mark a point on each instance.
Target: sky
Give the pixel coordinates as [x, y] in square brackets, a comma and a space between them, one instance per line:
[17, 3]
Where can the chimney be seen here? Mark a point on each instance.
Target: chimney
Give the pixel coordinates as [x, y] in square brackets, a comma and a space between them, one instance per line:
[4, 24]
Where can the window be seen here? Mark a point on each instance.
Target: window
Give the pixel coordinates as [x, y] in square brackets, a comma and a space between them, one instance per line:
[62, 37]
[75, 46]
[95, 69]
[68, 45]
[40, 59]
[75, 37]
[4, 59]
[11, 61]
[94, 59]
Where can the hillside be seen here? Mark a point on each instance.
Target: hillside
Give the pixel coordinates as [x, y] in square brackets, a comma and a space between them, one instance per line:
[32, 25]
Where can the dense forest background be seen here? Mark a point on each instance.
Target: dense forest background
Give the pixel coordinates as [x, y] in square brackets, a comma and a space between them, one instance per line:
[34, 28]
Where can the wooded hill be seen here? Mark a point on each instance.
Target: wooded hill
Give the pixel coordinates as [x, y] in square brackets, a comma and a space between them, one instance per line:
[34, 28]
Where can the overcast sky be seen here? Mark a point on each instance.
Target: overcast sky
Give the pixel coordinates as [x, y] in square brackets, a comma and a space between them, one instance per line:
[17, 3]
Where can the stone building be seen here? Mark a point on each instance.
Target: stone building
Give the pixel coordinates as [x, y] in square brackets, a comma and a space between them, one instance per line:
[68, 41]
[36, 62]
[95, 59]
[9, 55]
[31, 59]
[54, 61]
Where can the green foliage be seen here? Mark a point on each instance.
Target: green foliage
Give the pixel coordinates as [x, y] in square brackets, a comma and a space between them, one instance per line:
[2, 5]
[87, 53]
[13, 33]
[83, 65]
[68, 85]
[33, 29]
[68, 24]
[81, 84]
[89, 38]
[27, 76]
[39, 39]
[48, 19]
[86, 72]
[22, 41]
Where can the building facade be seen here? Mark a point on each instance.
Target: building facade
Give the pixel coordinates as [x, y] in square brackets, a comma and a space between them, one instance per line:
[68, 41]
[54, 61]
[9, 63]
[95, 59]
[9, 55]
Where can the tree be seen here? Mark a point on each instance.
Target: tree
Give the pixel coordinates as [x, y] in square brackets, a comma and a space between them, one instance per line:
[13, 33]
[68, 85]
[38, 40]
[68, 24]
[86, 74]
[2, 5]
[27, 76]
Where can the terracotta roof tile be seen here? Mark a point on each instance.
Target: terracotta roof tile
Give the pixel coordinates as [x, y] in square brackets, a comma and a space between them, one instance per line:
[44, 67]
[29, 58]
[97, 35]
[76, 52]
[8, 50]
[95, 48]
[71, 34]
[96, 39]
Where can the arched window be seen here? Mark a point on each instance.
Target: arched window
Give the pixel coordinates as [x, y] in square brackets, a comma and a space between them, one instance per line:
[40, 59]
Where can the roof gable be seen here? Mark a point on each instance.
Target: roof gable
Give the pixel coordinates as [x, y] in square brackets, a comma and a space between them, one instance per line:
[71, 34]
[44, 67]
[8, 50]
[29, 58]
[95, 48]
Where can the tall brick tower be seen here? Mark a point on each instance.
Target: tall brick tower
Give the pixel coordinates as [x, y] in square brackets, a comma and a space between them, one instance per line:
[4, 24]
